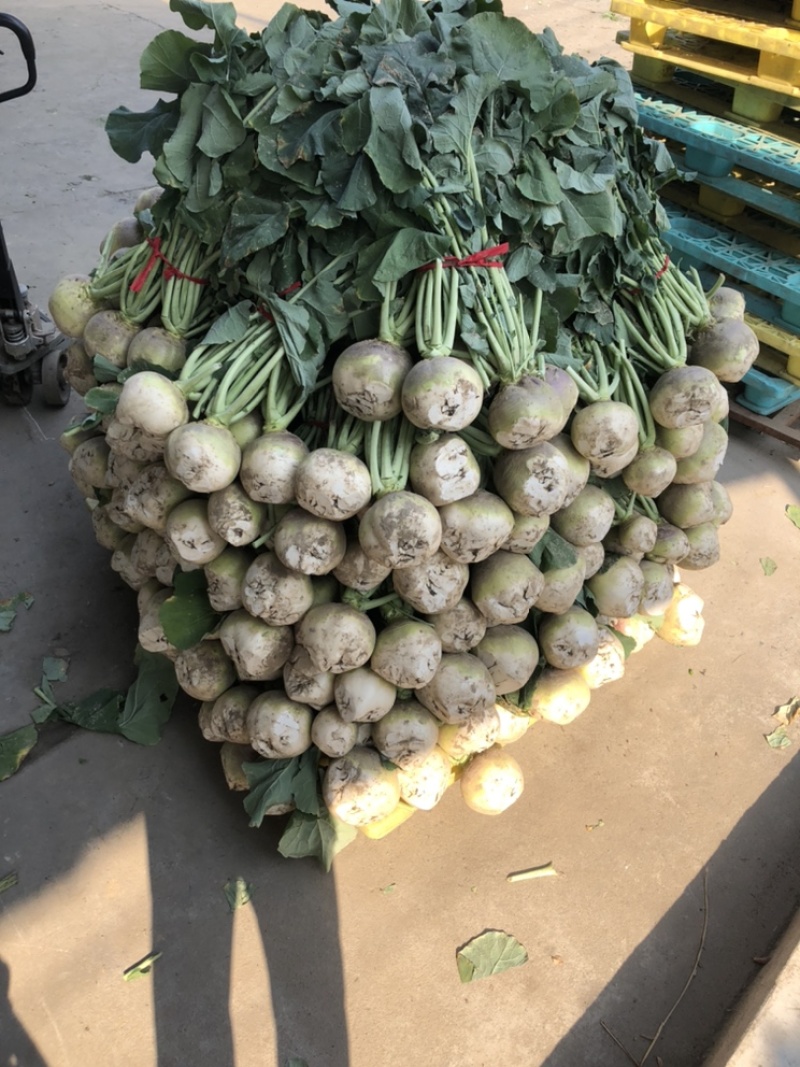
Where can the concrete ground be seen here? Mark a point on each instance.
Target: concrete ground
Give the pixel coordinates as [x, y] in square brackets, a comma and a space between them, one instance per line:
[662, 807]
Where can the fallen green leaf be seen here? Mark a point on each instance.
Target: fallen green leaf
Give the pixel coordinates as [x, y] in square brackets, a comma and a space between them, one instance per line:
[295, 1062]
[237, 892]
[390, 888]
[54, 668]
[778, 738]
[768, 566]
[793, 514]
[785, 714]
[8, 609]
[149, 701]
[99, 711]
[8, 881]
[489, 953]
[788, 712]
[144, 966]
[14, 747]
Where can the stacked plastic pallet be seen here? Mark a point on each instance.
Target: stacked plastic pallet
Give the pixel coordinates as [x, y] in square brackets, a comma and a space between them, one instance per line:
[720, 83]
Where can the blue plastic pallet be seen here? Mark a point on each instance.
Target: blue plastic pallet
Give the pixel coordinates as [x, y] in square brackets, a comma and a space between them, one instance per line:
[720, 139]
[703, 245]
[769, 201]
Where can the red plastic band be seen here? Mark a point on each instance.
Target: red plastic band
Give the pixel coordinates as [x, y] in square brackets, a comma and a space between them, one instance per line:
[170, 271]
[487, 257]
[660, 273]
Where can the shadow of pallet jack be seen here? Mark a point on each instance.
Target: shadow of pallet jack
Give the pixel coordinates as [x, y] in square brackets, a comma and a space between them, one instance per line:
[32, 349]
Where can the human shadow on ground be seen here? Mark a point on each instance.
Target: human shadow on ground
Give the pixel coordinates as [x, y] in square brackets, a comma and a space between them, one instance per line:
[16, 1046]
[636, 1000]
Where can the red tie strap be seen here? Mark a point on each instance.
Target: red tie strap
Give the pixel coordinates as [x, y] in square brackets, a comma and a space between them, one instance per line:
[170, 271]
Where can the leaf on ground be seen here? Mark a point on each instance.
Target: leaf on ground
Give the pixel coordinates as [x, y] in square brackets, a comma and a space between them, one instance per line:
[320, 836]
[149, 701]
[295, 1062]
[142, 967]
[8, 609]
[768, 566]
[14, 747]
[54, 668]
[8, 881]
[793, 514]
[99, 711]
[237, 892]
[489, 953]
[785, 714]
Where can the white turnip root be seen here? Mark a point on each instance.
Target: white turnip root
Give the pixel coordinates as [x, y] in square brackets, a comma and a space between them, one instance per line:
[202, 455]
[462, 684]
[682, 624]
[406, 732]
[511, 655]
[683, 396]
[274, 593]
[492, 781]
[561, 587]
[592, 556]
[723, 505]
[332, 484]
[587, 519]
[331, 734]
[578, 466]
[337, 637]
[152, 496]
[728, 348]
[702, 465]
[71, 304]
[617, 586]
[225, 719]
[604, 430]
[671, 544]
[527, 532]
[361, 695]
[505, 587]
[460, 628]
[257, 649]
[235, 516]
[475, 734]
[513, 724]
[225, 577]
[444, 470]
[309, 543]
[687, 505]
[367, 379]
[704, 548]
[358, 789]
[304, 682]
[726, 303]
[357, 571]
[650, 471]
[154, 346]
[269, 467]
[532, 481]
[680, 441]
[151, 403]
[475, 526]
[109, 334]
[189, 534]
[79, 370]
[88, 465]
[608, 664]
[569, 639]
[436, 584]
[566, 387]
[205, 670]
[524, 413]
[400, 529]
[407, 653]
[424, 780]
[151, 633]
[442, 393]
[560, 696]
[635, 536]
[657, 588]
[279, 728]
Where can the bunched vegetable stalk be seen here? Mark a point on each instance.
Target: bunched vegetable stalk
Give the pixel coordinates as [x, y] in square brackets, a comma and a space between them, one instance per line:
[399, 416]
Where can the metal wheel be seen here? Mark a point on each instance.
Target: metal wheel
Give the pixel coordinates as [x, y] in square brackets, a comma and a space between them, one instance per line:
[55, 387]
[17, 389]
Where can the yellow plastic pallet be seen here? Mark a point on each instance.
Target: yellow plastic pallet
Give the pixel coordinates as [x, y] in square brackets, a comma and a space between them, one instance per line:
[664, 33]
[780, 350]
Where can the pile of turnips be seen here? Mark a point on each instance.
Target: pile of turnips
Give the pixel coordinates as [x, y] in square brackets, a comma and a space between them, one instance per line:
[400, 417]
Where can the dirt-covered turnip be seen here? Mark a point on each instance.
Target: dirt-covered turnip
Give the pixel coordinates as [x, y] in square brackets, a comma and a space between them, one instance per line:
[492, 781]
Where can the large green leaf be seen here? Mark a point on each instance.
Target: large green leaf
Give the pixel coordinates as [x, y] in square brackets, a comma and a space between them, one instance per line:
[187, 615]
[255, 223]
[178, 155]
[283, 781]
[99, 711]
[14, 747]
[319, 836]
[223, 130]
[132, 133]
[166, 63]
[488, 954]
[149, 701]
[492, 43]
[8, 609]
[391, 144]
[217, 16]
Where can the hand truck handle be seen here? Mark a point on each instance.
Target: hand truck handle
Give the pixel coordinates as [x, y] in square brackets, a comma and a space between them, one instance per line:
[28, 50]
